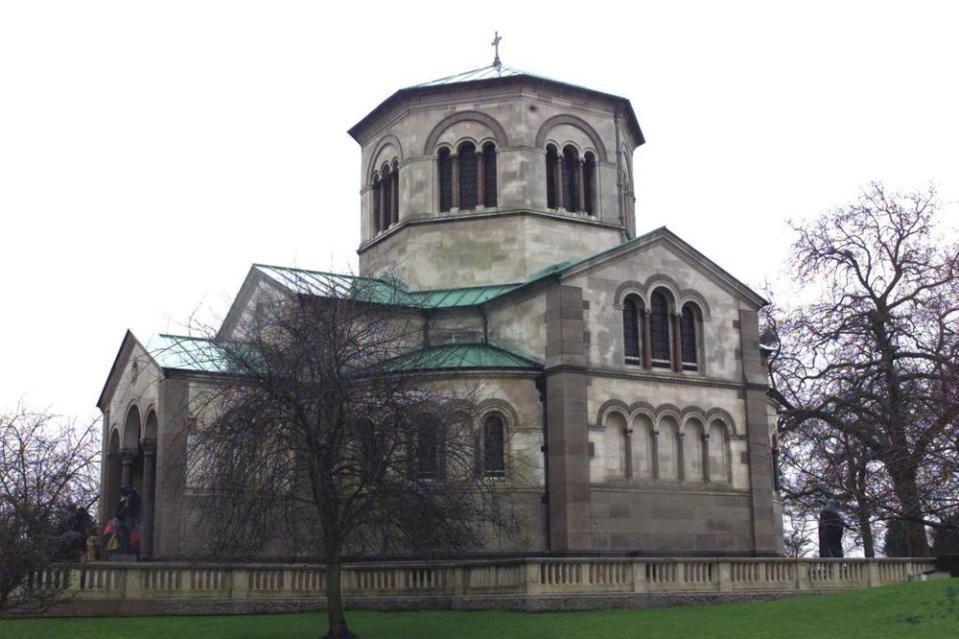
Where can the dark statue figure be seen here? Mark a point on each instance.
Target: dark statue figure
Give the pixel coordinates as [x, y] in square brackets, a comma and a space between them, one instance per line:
[122, 533]
[831, 528]
[75, 527]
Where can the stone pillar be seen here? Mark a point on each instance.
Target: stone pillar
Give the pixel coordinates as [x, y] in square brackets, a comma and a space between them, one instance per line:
[655, 454]
[580, 191]
[647, 341]
[706, 453]
[149, 487]
[567, 449]
[766, 534]
[681, 455]
[127, 455]
[677, 344]
[455, 160]
[480, 180]
[394, 196]
[560, 190]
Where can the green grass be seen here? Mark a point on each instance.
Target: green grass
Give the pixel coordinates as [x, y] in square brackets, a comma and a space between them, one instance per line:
[929, 609]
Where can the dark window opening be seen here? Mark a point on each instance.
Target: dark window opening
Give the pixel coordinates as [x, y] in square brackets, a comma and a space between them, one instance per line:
[551, 160]
[631, 328]
[467, 161]
[494, 457]
[687, 336]
[659, 330]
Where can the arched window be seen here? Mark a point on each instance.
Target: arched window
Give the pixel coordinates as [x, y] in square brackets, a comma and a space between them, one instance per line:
[489, 174]
[429, 449]
[589, 182]
[552, 178]
[395, 193]
[659, 329]
[632, 328]
[570, 178]
[377, 201]
[689, 336]
[468, 186]
[444, 165]
[494, 440]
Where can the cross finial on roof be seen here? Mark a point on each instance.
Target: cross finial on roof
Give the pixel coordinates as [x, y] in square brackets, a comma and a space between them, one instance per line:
[495, 43]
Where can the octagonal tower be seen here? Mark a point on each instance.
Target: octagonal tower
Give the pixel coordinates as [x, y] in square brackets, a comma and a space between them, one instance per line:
[489, 176]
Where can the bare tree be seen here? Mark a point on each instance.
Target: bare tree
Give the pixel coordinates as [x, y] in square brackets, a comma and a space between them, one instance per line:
[48, 468]
[869, 368]
[327, 436]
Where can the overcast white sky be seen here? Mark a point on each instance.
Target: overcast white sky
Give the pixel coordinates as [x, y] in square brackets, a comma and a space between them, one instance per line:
[150, 152]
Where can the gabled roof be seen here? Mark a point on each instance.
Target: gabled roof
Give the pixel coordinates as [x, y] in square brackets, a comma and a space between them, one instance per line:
[493, 75]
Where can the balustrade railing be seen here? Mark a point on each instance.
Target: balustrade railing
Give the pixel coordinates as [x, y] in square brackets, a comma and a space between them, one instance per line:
[531, 576]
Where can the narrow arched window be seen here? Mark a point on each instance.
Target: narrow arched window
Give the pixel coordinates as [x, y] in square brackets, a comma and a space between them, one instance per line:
[468, 186]
[570, 179]
[718, 458]
[632, 330]
[489, 174]
[688, 332]
[429, 459]
[386, 193]
[659, 330]
[589, 182]
[377, 201]
[494, 440]
[444, 166]
[395, 193]
[552, 173]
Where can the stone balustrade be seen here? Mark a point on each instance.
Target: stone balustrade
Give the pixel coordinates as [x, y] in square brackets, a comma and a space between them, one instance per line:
[526, 583]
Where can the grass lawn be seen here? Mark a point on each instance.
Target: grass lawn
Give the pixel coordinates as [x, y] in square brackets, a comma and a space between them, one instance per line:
[929, 609]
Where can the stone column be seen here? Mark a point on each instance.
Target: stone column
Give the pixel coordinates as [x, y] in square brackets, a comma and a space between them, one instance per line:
[149, 483]
[655, 454]
[127, 455]
[455, 159]
[394, 196]
[677, 345]
[681, 455]
[580, 191]
[647, 341]
[480, 180]
[560, 191]
[706, 454]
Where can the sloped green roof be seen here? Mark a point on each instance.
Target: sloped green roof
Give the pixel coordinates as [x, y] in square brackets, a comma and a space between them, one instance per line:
[364, 289]
[464, 356]
[467, 296]
[188, 353]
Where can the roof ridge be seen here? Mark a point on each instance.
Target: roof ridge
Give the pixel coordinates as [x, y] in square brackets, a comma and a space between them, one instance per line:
[316, 272]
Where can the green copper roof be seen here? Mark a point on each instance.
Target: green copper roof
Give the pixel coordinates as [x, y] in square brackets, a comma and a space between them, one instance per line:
[467, 296]
[464, 356]
[364, 289]
[188, 354]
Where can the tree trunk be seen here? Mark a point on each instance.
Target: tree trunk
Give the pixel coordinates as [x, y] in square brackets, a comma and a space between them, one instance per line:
[865, 529]
[334, 602]
[904, 482]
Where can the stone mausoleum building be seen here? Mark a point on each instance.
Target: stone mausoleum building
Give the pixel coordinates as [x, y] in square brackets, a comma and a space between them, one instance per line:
[624, 392]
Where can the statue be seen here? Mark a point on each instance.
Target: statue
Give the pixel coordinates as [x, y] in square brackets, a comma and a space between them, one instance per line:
[75, 526]
[122, 533]
[831, 528]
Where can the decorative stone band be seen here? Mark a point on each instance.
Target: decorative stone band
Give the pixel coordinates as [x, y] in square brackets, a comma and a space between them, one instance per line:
[531, 583]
